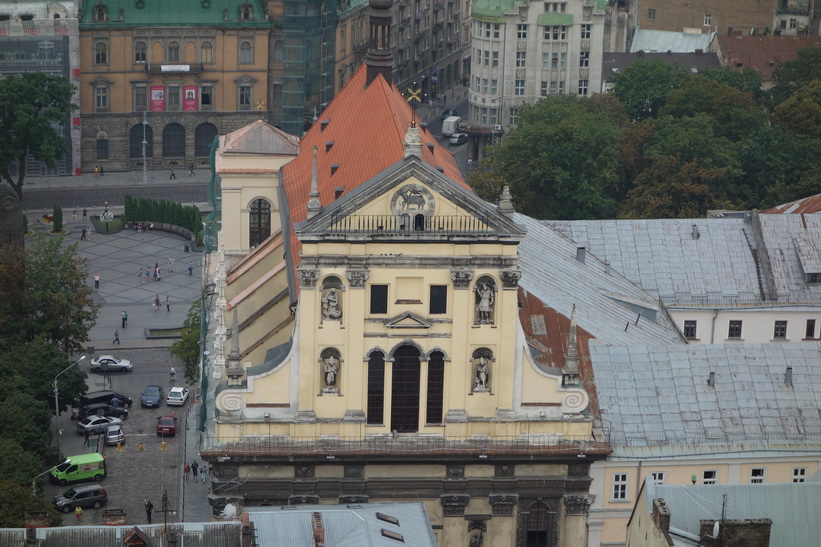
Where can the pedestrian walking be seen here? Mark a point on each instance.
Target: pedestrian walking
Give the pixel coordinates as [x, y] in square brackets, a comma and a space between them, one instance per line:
[96, 170]
[116, 336]
[187, 470]
[102, 170]
[173, 373]
[203, 472]
[140, 275]
[74, 215]
[170, 263]
[85, 214]
[148, 508]
[156, 302]
[83, 235]
[470, 163]
[96, 281]
[78, 512]
[173, 175]
[190, 268]
[125, 318]
[168, 303]
[159, 275]
[191, 170]
[194, 467]
[86, 438]
[147, 273]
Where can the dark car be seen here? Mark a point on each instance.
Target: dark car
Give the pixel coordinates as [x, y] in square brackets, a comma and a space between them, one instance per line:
[102, 409]
[151, 396]
[167, 425]
[92, 495]
[449, 112]
[105, 396]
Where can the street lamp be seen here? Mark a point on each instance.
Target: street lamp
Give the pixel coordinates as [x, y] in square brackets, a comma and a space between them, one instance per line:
[57, 402]
[144, 143]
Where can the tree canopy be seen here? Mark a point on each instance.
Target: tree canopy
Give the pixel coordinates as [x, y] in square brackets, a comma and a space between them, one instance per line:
[33, 105]
[187, 348]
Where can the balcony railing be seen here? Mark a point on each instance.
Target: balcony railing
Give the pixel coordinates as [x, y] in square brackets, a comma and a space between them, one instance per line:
[409, 224]
[399, 445]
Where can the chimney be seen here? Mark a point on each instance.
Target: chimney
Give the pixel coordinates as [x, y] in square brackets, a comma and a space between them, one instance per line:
[379, 59]
[696, 233]
[711, 380]
[114, 517]
[788, 376]
[172, 539]
[319, 529]
[36, 519]
[580, 254]
[661, 515]
[607, 268]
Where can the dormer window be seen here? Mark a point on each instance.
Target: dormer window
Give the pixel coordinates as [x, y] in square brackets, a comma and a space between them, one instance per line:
[246, 11]
[100, 12]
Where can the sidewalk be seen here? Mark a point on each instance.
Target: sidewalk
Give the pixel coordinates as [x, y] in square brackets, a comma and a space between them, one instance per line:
[194, 506]
[116, 178]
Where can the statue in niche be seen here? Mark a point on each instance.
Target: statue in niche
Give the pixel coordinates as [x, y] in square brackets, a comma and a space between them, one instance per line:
[477, 540]
[331, 370]
[484, 301]
[480, 382]
[331, 310]
[331, 363]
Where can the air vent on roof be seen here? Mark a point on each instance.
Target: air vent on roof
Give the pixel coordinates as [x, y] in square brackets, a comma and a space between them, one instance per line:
[387, 518]
[338, 191]
[440, 168]
[430, 146]
[788, 376]
[393, 535]
[696, 233]
[323, 124]
[580, 254]
[334, 167]
[329, 145]
[711, 380]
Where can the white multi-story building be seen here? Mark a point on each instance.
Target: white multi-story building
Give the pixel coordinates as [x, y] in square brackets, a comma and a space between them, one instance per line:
[524, 51]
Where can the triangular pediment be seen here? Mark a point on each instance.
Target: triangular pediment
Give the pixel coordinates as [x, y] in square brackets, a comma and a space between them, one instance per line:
[407, 320]
[410, 200]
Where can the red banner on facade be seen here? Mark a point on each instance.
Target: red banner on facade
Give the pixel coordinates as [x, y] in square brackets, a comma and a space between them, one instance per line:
[157, 99]
[190, 98]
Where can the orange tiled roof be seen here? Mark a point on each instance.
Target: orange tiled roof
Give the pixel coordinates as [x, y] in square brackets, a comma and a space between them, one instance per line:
[762, 53]
[362, 133]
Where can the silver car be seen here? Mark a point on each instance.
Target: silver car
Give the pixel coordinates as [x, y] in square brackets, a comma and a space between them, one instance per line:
[114, 435]
[110, 363]
[97, 424]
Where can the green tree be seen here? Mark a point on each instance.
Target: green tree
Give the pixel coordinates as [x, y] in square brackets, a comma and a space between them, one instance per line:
[643, 87]
[16, 501]
[792, 75]
[747, 79]
[33, 104]
[55, 302]
[22, 465]
[30, 428]
[187, 348]
[801, 113]
[560, 161]
[57, 222]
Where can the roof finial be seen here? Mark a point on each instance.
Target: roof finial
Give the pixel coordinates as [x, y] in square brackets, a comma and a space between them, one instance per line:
[570, 372]
[505, 204]
[413, 142]
[314, 206]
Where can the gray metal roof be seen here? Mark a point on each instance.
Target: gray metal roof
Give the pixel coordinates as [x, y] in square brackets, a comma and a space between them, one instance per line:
[196, 534]
[345, 525]
[793, 507]
[659, 395]
[615, 62]
[665, 40]
[605, 303]
[716, 266]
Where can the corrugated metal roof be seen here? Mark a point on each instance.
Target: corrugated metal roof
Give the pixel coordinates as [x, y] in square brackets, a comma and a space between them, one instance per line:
[778, 233]
[763, 53]
[810, 204]
[793, 508]
[345, 525]
[196, 534]
[653, 395]
[665, 40]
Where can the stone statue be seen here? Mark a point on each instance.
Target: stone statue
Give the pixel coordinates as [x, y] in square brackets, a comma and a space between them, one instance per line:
[477, 540]
[11, 216]
[484, 301]
[330, 306]
[480, 382]
[331, 370]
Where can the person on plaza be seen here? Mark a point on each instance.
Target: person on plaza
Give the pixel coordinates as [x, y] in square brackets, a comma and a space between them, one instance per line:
[96, 171]
[78, 512]
[191, 170]
[170, 263]
[102, 170]
[83, 235]
[85, 214]
[203, 472]
[125, 318]
[190, 268]
[470, 163]
[187, 470]
[86, 439]
[156, 302]
[74, 215]
[96, 281]
[159, 275]
[173, 175]
[116, 336]
[154, 271]
[147, 273]
[173, 373]
[168, 303]
[140, 276]
[194, 467]
[148, 508]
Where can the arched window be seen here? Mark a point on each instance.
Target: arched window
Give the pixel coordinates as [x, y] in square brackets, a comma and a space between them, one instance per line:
[207, 53]
[538, 522]
[173, 141]
[100, 12]
[100, 54]
[260, 222]
[278, 55]
[436, 388]
[135, 141]
[245, 53]
[102, 146]
[246, 11]
[376, 388]
[174, 52]
[140, 52]
[203, 137]
[405, 390]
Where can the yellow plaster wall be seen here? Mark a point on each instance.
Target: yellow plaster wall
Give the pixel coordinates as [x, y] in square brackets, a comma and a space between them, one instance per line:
[405, 471]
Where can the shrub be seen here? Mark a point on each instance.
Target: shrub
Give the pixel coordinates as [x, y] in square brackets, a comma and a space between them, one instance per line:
[57, 227]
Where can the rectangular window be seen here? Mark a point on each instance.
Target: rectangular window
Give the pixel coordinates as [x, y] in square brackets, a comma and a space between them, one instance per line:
[545, 60]
[544, 89]
[658, 477]
[494, 87]
[101, 99]
[493, 114]
[140, 98]
[708, 19]
[810, 333]
[438, 299]
[563, 59]
[484, 86]
[651, 14]
[780, 330]
[793, 23]
[584, 58]
[799, 474]
[487, 30]
[735, 329]
[139, 52]
[495, 60]
[483, 115]
[521, 59]
[245, 97]
[552, 88]
[560, 32]
[487, 58]
[379, 299]
[496, 28]
[561, 87]
[173, 98]
[519, 88]
[206, 97]
[619, 486]
[709, 477]
[690, 329]
[585, 33]
[757, 475]
[514, 112]
[554, 61]
[521, 32]
[376, 387]
[582, 87]
[102, 149]
[813, 278]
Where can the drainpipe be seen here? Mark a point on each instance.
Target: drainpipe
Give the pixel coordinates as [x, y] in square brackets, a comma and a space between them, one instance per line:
[713, 330]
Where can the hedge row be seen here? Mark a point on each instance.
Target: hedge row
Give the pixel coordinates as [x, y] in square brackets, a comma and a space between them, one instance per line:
[169, 212]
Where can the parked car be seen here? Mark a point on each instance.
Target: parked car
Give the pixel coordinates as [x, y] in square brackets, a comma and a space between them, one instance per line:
[96, 424]
[167, 426]
[109, 363]
[92, 495]
[176, 396]
[449, 112]
[102, 409]
[83, 467]
[114, 434]
[104, 396]
[151, 396]
[458, 138]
